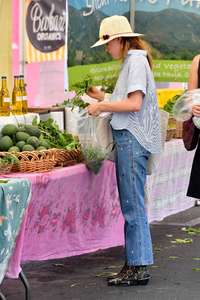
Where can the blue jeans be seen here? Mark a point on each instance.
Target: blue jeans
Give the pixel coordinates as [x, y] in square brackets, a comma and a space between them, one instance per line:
[131, 163]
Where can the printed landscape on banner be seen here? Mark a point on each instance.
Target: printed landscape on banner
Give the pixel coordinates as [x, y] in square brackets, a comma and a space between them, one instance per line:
[84, 20]
[172, 29]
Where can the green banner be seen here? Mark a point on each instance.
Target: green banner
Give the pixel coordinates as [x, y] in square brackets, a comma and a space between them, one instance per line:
[171, 70]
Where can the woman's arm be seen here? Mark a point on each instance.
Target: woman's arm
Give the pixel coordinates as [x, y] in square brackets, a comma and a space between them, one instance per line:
[193, 74]
[132, 103]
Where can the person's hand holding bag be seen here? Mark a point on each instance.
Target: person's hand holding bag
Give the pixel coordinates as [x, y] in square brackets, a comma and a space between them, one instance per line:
[196, 110]
[94, 109]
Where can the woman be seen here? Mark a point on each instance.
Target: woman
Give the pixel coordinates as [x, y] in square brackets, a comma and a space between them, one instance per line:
[194, 83]
[136, 131]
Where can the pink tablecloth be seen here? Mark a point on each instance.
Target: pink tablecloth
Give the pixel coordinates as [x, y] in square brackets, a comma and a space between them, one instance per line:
[71, 212]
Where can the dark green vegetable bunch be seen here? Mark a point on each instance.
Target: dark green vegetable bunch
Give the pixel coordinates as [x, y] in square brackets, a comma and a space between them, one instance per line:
[8, 159]
[108, 84]
[170, 104]
[81, 87]
[57, 138]
[74, 102]
[93, 157]
[78, 102]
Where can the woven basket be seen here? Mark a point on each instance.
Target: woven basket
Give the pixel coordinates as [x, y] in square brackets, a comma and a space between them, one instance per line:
[35, 161]
[67, 157]
[171, 133]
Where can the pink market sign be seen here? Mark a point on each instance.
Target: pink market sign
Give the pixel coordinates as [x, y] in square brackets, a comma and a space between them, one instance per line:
[45, 24]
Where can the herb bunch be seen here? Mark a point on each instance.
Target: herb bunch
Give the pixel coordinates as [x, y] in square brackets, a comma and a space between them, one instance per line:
[57, 139]
[170, 104]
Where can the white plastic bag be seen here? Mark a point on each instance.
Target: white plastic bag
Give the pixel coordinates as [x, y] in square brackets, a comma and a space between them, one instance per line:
[95, 136]
[182, 110]
[95, 131]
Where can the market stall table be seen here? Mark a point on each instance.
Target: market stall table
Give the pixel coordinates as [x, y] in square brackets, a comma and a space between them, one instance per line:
[73, 211]
[166, 189]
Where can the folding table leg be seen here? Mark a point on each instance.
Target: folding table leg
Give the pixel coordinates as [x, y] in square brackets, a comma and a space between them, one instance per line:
[2, 297]
[26, 284]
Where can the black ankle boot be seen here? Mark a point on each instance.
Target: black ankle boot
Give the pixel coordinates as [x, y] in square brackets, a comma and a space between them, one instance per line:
[123, 270]
[131, 275]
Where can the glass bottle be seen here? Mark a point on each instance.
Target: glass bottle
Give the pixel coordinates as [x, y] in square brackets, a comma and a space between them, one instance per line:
[24, 94]
[5, 98]
[16, 98]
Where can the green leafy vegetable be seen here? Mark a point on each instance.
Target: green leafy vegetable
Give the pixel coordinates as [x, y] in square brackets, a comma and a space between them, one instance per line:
[108, 84]
[192, 230]
[74, 102]
[8, 159]
[93, 158]
[170, 104]
[81, 87]
[59, 139]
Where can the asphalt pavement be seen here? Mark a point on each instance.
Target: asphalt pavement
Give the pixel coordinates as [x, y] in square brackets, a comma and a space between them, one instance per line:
[175, 273]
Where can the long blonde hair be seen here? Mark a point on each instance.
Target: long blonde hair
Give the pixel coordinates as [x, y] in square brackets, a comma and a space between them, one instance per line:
[135, 43]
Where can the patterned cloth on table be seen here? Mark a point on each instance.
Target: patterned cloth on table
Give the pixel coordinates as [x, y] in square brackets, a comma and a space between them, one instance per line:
[14, 198]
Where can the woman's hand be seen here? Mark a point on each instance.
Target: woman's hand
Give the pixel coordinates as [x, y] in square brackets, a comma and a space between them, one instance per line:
[196, 110]
[94, 109]
[94, 92]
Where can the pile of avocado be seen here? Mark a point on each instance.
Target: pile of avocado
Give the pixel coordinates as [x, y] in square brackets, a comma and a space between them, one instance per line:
[22, 138]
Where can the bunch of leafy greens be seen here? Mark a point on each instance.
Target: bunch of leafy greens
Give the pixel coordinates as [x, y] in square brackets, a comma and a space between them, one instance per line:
[170, 104]
[57, 139]
[108, 84]
[93, 157]
[8, 159]
[74, 102]
[81, 87]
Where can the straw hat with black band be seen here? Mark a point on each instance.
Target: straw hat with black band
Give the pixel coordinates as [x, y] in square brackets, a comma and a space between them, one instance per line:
[112, 28]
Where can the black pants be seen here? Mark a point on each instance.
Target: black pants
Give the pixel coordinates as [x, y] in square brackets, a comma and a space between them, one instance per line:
[194, 184]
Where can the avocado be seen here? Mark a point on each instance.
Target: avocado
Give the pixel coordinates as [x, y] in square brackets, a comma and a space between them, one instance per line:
[14, 149]
[20, 144]
[41, 148]
[45, 143]
[33, 140]
[28, 148]
[22, 136]
[21, 128]
[5, 143]
[33, 130]
[9, 129]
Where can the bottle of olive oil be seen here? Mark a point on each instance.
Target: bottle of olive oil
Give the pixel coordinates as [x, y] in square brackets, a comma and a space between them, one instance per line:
[5, 104]
[16, 98]
[24, 94]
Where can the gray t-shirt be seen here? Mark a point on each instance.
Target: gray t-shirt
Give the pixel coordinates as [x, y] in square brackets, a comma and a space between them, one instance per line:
[136, 75]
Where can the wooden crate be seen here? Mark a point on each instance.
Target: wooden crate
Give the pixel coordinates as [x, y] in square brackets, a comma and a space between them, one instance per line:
[179, 130]
[171, 133]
